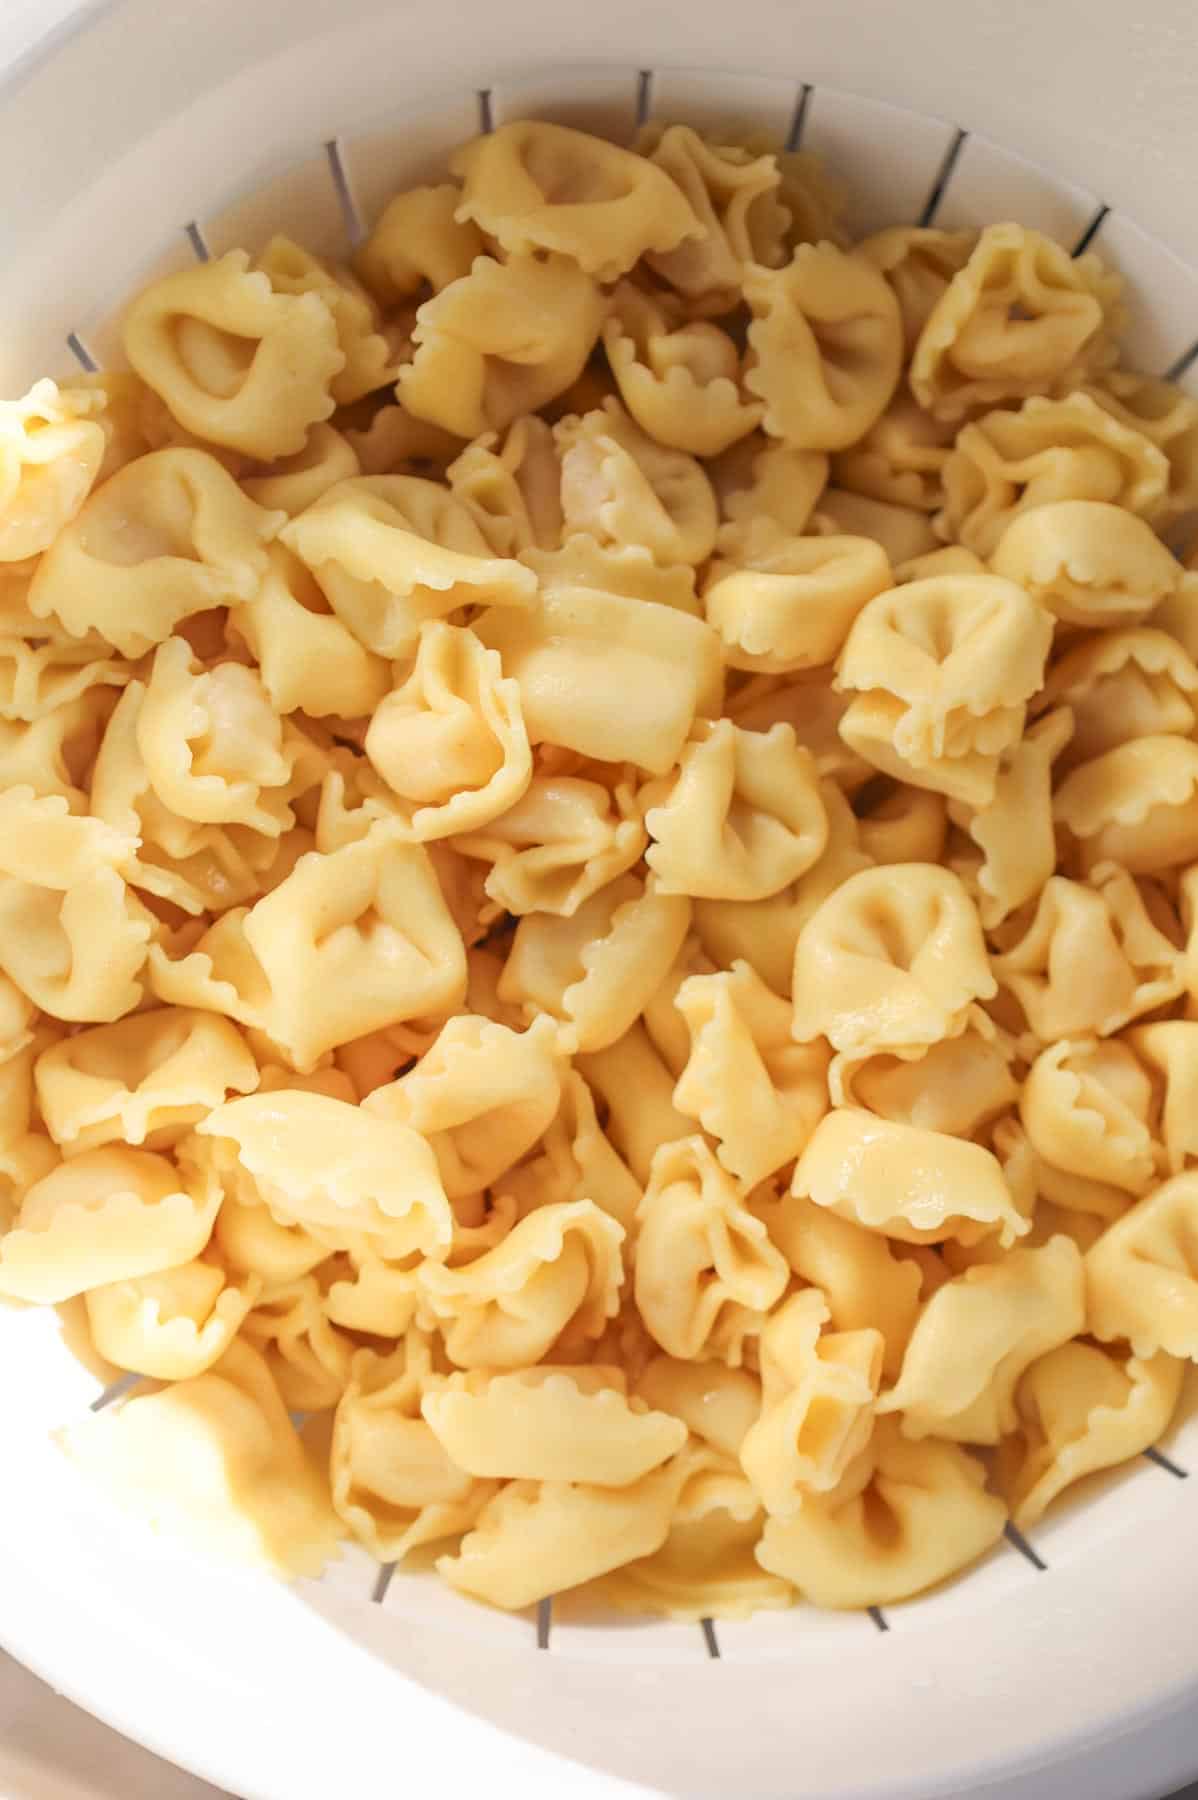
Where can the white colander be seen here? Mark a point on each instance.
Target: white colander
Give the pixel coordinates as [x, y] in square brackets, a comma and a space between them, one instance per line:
[161, 130]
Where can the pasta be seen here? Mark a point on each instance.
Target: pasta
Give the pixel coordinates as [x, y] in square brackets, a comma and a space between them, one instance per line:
[599, 886]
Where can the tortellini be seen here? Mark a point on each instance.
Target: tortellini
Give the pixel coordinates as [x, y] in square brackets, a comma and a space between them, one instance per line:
[238, 362]
[1020, 317]
[1080, 1409]
[499, 342]
[942, 669]
[622, 487]
[1141, 1275]
[827, 342]
[451, 740]
[743, 819]
[392, 551]
[170, 535]
[905, 1518]
[783, 603]
[1006, 464]
[1088, 562]
[978, 1334]
[894, 959]
[916, 1185]
[539, 187]
[682, 383]
[51, 451]
[599, 886]
[706, 1273]
[750, 1086]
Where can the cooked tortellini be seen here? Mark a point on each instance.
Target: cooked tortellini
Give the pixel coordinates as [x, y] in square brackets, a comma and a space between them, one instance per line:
[827, 340]
[1020, 317]
[52, 446]
[599, 886]
[238, 360]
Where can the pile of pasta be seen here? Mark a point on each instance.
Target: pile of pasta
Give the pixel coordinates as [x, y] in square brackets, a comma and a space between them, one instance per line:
[598, 886]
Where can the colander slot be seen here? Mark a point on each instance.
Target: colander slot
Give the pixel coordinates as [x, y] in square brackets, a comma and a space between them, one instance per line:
[81, 353]
[1185, 362]
[794, 137]
[355, 229]
[1016, 1538]
[195, 238]
[879, 1618]
[888, 159]
[707, 1626]
[382, 1582]
[644, 96]
[113, 1391]
[987, 182]
[944, 175]
[1091, 232]
[544, 1622]
[1160, 294]
[1166, 1462]
[486, 118]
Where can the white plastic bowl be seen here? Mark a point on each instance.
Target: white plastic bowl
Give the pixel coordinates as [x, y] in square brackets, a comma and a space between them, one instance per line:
[155, 126]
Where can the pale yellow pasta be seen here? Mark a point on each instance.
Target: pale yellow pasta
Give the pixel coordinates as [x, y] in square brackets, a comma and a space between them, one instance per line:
[417, 242]
[348, 941]
[1006, 464]
[817, 1414]
[171, 534]
[308, 659]
[559, 843]
[608, 676]
[513, 491]
[173, 1325]
[599, 886]
[949, 662]
[450, 741]
[866, 1284]
[916, 1185]
[1141, 1275]
[1086, 1107]
[636, 1087]
[783, 602]
[893, 959]
[736, 199]
[750, 1086]
[978, 1334]
[906, 1517]
[827, 344]
[251, 1492]
[392, 551]
[760, 479]
[1081, 1409]
[144, 1080]
[539, 187]
[110, 1214]
[52, 446]
[681, 382]
[1088, 562]
[481, 1096]
[237, 362]
[595, 970]
[1135, 806]
[622, 487]
[1020, 317]
[1124, 684]
[1091, 958]
[742, 819]
[548, 1424]
[500, 342]
[554, 1280]
[705, 1272]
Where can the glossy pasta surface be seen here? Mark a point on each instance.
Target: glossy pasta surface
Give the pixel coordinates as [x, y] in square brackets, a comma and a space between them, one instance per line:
[598, 886]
